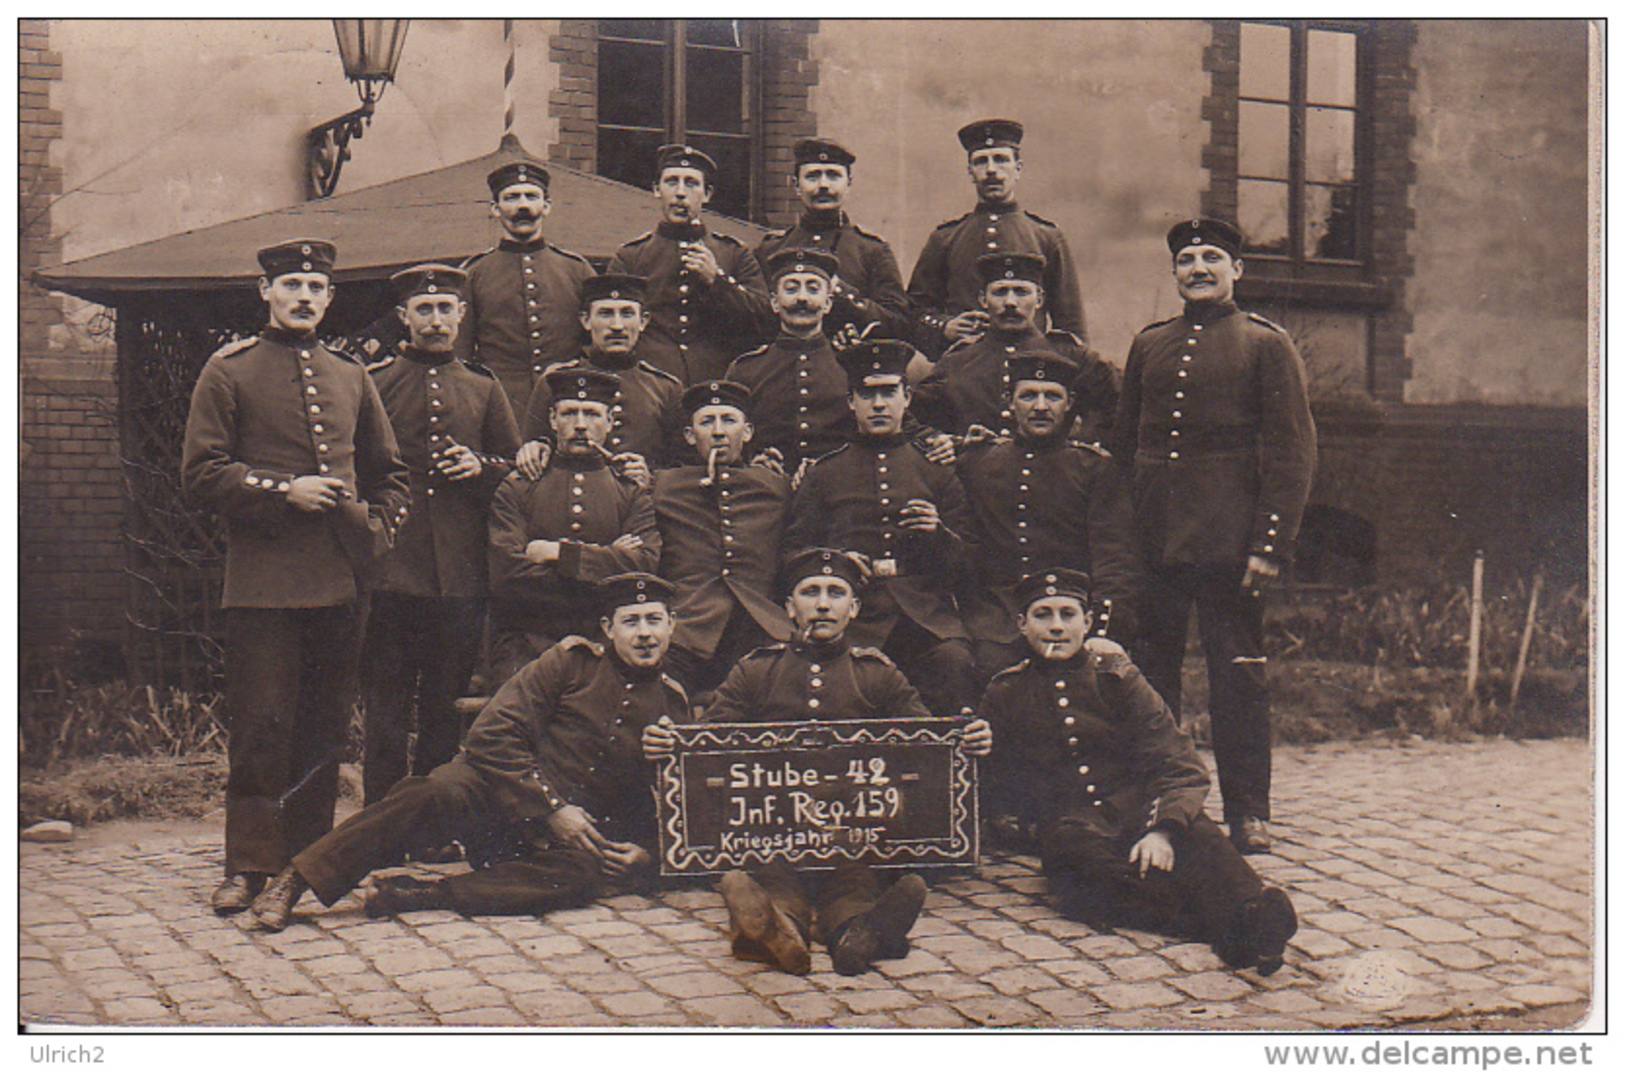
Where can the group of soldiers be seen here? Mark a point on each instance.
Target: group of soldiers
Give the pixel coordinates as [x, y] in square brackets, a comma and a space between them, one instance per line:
[750, 485]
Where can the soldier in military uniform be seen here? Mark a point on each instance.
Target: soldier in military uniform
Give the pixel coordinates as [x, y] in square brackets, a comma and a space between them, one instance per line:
[882, 497]
[1040, 499]
[1214, 421]
[644, 433]
[868, 287]
[1088, 754]
[523, 305]
[553, 538]
[945, 288]
[720, 523]
[706, 299]
[820, 675]
[427, 617]
[289, 442]
[550, 794]
[970, 384]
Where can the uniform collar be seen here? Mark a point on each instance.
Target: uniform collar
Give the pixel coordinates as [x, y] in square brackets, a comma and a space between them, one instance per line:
[986, 207]
[578, 464]
[787, 341]
[609, 362]
[881, 442]
[510, 245]
[627, 671]
[1026, 334]
[423, 357]
[692, 231]
[1046, 668]
[823, 219]
[284, 337]
[822, 652]
[1053, 441]
[1205, 312]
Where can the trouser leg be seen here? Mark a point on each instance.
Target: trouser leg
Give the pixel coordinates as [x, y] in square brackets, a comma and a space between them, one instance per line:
[1097, 882]
[1165, 613]
[545, 881]
[847, 892]
[328, 690]
[788, 894]
[1213, 880]
[419, 813]
[511, 651]
[450, 647]
[388, 689]
[262, 690]
[942, 670]
[1232, 625]
[992, 656]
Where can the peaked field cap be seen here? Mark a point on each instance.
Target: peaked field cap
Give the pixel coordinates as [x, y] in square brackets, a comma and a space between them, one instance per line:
[800, 259]
[986, 133]
[298, 255]
[613, 285]
[427, 279]
[1206, 232]
[684, 156]
[583, 385]
[1053, 582]
[1042, 365]
[716, 393]
[819, 562]
[630, 589]
[1012, 265]
[822, 151]
[516, 172]
[875, 359]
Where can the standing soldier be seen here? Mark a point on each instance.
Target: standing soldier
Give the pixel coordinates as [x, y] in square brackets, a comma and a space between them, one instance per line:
[720, 524]
[457, 437]
[1214, 419]
[523, 305]
[945, 287]
[644, 432]
[881, 497]
[290, 443]
[554, 538]
[1040, 499]
[706, 298]
[868, 288]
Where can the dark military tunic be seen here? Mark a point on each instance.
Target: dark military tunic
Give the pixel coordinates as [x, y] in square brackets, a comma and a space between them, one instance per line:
[970, 383]
[807, 682]
[720, 546]
[1042, 505]
[648, 419]
[524, 312]
[695, 329]
[566, 729]
[945, 282]
[868, 271]
[586, 506]
[798, 398]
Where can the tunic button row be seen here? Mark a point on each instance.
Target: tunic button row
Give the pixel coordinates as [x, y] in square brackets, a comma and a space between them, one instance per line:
[813, 702]
[1063, 702]
[317, 428]
[1069, 721]
[309, 371]
[310, 389]
[1072, 742]
[817, 682]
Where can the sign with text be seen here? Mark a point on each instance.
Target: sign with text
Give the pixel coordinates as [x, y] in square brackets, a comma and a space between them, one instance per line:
[816, 794]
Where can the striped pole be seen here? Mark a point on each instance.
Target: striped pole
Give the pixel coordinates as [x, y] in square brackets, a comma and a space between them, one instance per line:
[507, 79]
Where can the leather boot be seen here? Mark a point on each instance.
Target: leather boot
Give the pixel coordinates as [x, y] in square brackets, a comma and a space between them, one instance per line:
[274, 906]
[882, 932]
[1258, 937]
[759, 929]
[1250, 835]
[403, 893]
[236, 893]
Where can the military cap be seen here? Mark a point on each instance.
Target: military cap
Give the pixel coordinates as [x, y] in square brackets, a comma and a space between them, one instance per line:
[684, 156]
[514, 173]
[822, 151]
[298, 255]
[1041, 364]
[875, 359]
[1206, 232]
[1026, 266]
[986, 133]
[427, 279]
[1055, 582]
[819, 562]
[613, 285]
[630, 589]
[716, 393]
[798, 259]
[583, 384]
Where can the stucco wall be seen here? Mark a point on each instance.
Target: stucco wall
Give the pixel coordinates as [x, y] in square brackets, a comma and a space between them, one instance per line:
[1113, 112]
[1500, 242]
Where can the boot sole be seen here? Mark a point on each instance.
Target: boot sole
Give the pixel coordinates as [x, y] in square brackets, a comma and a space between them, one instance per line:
[1274, 924]
[761, 921]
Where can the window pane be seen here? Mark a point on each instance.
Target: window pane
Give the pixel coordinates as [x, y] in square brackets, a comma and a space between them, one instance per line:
[732, 195]
[1264, 136]
[1329, 145]
[729, 33]
[630, 85]
[1266, 52]
[1261, 210]
[637, 29]
[1329, 222]
[1331, 67]
[716, 91]
[629, 155]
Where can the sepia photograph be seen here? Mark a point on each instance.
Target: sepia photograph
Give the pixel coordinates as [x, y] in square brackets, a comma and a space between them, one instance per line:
[941, 527]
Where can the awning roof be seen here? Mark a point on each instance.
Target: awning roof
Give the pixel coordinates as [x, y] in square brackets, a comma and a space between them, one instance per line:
[441, 215]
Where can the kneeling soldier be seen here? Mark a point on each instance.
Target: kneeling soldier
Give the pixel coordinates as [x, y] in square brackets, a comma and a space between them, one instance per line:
[550, 795]
[1089, 754]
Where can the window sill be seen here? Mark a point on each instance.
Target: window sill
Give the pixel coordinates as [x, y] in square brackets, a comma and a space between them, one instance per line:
[1342, 293]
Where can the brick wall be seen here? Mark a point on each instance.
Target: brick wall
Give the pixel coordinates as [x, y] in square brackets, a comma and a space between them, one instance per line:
[574, 48]
[39, 182]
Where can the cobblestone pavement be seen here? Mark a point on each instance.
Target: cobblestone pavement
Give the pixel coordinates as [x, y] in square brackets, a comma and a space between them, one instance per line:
[1431, 880]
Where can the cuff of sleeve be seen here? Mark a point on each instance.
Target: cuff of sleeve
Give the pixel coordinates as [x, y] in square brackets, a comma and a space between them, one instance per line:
[569, 562]
[266, 480]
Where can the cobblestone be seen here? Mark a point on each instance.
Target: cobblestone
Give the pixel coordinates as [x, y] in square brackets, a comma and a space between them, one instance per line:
[1491, 913]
